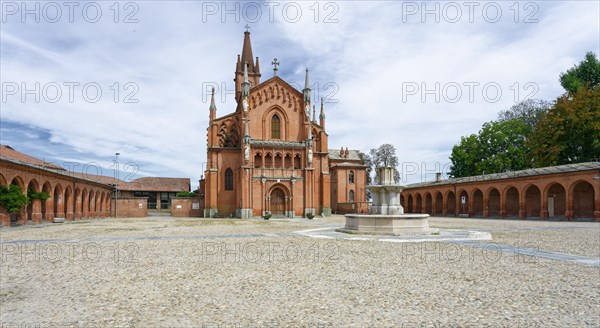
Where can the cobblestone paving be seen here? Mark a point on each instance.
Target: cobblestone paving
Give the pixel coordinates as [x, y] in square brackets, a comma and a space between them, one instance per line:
[167, 272]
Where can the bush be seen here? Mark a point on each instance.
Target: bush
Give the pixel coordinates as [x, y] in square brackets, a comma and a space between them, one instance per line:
[37, 195]
[310, 215]
[185, 194]
[12, 198]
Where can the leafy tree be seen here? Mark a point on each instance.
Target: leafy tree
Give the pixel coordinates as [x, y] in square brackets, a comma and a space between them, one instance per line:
[570, 132]
[464, 157]
[584, 75]
[385, 156]
[42, 195]
[529, 111]
[12, 198]
[498, 147]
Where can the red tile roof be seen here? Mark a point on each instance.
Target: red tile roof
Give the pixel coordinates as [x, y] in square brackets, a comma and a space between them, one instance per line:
[8, 152]
[157, 184]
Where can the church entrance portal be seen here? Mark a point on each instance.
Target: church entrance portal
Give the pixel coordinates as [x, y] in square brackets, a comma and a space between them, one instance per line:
[277, 202]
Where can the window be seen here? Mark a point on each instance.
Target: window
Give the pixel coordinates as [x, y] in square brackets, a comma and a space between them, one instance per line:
[257, 160]
[229, 179]
[351, 196]
[278, 161]
[275, 127]
[351, 177]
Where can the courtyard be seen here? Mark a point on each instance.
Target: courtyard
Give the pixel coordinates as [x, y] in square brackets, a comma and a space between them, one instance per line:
[190, 272]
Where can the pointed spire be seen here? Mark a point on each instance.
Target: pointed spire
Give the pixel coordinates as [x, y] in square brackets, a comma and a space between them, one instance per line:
[314, 114]
[306, 83]
[306, 92]
[246, 82]
[247, 56]
[213, 107]
[256, 66]
[322, 114]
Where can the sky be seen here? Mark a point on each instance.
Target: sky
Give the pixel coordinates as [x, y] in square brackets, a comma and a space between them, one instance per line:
[82, 81]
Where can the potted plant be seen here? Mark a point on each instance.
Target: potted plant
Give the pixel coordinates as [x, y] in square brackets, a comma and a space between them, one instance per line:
[267, 215]
[310, 215]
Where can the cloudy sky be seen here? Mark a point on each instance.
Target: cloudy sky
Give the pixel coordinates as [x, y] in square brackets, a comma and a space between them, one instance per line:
[81, 81]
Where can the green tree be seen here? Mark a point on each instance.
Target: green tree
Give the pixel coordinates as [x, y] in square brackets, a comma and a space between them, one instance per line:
[465, 157]
[498, 147]
[12, 198]
[570, 132]
[529, 111]
[366, 160]
[584, 75]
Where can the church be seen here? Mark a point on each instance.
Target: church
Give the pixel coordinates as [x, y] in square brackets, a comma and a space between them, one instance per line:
[271, 156]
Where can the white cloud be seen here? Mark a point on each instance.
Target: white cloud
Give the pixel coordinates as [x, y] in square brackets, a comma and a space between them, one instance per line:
[170, 55]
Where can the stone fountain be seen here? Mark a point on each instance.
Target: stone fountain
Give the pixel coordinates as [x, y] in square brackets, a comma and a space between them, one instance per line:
[386, 216]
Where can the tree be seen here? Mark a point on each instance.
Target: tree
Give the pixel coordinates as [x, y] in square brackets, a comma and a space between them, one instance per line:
[529, 111]
[12, 198]
[570, 132]
[367, 161]
[385, 156]
[584, 75]
[498, 147]
[464, 157]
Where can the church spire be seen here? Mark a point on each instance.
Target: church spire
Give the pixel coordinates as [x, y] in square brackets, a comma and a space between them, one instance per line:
[306, 92]
[246, 61]
[213, 107]
[246, 82]
[322, 116]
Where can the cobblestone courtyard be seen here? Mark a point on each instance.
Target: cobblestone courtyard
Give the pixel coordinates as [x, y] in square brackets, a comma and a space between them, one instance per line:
[168, 272]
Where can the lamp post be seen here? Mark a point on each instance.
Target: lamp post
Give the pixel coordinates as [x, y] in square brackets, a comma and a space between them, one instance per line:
[116, 181]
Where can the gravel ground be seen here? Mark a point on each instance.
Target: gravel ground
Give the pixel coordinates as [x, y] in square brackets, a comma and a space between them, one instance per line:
[220, 273]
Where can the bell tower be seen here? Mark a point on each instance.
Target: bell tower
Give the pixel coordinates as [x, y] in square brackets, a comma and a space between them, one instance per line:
[246, 59]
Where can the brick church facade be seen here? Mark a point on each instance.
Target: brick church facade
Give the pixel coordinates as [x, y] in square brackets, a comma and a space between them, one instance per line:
[270, 155]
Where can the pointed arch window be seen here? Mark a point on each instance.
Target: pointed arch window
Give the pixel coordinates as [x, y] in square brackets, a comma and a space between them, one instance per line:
[275, 127]
[351, 196]
[229, 179]
[351, 177]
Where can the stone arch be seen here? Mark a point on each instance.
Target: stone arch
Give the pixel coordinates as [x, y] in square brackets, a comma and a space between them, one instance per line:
[48, 205]
[439, 204]
[410, 207]
[582, 195]
[279, 200]
[68, 208]
[288, 161]
[428, 203]
[477, 204]
[17, 181]
[278, 161]
[101, 205]
[463, 207]
[97, 200]
[532, 201]
[2, 180]
[258, 160]
[419, 203]
[34, 207]
[493, 202]
[511, 201]
[283, 123]
[297, 161]
[556, 200]
[268, 160]
[58, 203]
[451, 203]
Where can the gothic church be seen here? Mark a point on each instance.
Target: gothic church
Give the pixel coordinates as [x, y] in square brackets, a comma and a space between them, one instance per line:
[271, 156]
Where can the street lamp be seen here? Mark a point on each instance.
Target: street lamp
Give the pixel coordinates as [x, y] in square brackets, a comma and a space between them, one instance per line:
[116, 181]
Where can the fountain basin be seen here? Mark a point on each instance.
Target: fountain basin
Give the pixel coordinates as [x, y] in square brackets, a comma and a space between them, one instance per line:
[393, 225]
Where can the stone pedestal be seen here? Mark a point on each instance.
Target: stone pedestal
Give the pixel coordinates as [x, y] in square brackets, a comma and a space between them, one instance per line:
[387, 215]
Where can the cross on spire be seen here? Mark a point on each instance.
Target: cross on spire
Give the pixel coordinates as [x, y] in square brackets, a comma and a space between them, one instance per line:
[275, 63]
[247, 28]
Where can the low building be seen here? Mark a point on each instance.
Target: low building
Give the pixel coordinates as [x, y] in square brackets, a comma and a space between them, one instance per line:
[569, 192]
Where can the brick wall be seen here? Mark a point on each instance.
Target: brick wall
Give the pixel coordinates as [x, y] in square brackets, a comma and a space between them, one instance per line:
[132, 207]
[186, 207]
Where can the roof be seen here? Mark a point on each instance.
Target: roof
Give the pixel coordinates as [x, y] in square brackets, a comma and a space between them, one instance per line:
[348, 164]
[9, 152]
[277, 143]
[515, 174]
[157, 184]
[334, 154]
